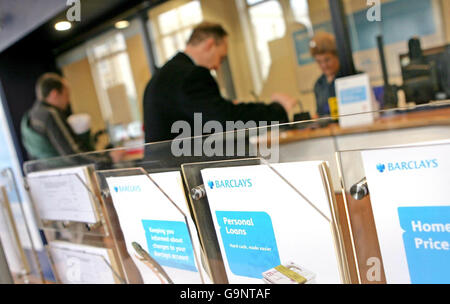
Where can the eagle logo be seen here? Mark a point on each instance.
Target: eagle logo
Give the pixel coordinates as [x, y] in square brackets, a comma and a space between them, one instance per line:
[211, 184]
[381, 167]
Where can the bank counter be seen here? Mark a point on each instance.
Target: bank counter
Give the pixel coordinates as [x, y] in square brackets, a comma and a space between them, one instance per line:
[300, 203]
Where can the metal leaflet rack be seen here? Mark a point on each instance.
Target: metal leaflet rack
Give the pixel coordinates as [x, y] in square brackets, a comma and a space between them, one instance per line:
[5, 274]
[128, 247]
[11, 199]
[202, 213]
[12, 229]
[74, 238]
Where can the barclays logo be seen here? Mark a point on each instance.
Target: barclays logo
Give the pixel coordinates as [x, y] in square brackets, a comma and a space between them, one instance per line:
[127, 188]
[381, 167]
[230, 183]
[408, 165]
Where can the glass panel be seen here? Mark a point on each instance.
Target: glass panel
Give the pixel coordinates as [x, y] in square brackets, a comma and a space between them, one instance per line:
[415, 49]
[316, 140]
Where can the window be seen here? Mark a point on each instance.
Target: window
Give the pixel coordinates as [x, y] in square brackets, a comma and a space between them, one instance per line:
[267, 22]
[114, 81]
[301, 14]
[173, 28]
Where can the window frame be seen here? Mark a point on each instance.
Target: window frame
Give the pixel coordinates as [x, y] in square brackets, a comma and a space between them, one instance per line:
[162, 56]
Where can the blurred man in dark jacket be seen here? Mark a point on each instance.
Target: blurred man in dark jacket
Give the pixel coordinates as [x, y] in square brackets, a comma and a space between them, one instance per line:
[184, 86]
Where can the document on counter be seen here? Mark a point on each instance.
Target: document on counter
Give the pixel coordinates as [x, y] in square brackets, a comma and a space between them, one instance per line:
[83, 264]
[160, 235]
[63, 195]
[267, 232]
[411, 206]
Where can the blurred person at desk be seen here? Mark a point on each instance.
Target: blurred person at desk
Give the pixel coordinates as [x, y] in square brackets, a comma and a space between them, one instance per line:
[184, 86]
[323, 49]
[48, 128]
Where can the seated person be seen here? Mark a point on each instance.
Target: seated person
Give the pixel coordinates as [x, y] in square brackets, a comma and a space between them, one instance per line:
[323, 49]
[45, 130]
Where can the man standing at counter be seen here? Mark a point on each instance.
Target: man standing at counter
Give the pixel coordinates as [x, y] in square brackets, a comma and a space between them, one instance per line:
[184, 86]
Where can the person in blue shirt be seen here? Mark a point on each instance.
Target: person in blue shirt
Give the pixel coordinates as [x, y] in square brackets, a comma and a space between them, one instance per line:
[324, 51]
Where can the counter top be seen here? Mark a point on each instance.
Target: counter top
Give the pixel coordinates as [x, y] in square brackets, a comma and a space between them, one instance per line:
[402, 120]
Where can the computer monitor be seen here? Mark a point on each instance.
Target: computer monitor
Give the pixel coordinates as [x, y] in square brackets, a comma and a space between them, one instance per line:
[425, 73]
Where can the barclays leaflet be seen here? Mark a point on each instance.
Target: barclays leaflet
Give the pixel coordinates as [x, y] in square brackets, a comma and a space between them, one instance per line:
[266, 229]
[411, 207]
[163, 245]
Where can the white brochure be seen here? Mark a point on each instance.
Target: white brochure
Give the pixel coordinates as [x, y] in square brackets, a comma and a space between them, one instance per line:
[409, 192]
[266, 228]
[63, 195]
[82, 264]
[152, 223]
[355, 95]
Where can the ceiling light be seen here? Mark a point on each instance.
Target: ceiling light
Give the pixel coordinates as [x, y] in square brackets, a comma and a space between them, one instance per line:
[122, 24]
[63, 26]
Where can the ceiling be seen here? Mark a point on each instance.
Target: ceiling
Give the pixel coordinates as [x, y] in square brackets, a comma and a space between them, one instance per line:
[19, 18]
[96, 17]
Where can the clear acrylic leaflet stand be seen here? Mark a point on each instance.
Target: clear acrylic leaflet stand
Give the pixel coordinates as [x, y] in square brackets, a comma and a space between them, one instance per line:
[131, 271]
[337, 228]
[16, 252]
[359, 207]
[81, 227]
[200, 206]
[94, 233]
[201, 212]
[20, 228]
[298, 141]
[81, 264]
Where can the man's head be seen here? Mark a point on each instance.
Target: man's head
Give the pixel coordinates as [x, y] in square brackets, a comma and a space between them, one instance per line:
[54, 90]
[208, 45]
[323, 49]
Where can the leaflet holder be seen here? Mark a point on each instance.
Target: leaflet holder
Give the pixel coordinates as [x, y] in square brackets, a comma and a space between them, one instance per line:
[80, 264]
[63, 210]
[69, 211]
[127, 247]
[200, 208]
[14, 213]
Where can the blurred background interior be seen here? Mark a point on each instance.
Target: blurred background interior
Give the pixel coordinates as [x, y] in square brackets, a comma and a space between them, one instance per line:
[109, 56]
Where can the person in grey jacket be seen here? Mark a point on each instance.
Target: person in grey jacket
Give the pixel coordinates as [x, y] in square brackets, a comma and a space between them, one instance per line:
[45, 130]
